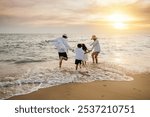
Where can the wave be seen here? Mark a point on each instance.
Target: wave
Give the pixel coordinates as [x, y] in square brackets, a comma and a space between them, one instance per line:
[44, 76]
[28, 61]
[3, 51]
[8, 60]
[23, 61]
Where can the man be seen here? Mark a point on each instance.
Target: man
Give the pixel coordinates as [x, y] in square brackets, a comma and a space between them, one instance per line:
[62, 47]
[96, 49]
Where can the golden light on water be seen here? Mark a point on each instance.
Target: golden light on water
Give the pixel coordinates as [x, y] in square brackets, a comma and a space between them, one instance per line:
[118, 59]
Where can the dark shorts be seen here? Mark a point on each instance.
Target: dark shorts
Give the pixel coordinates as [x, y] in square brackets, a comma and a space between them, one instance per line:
[63, 55]
[78, 61]
[95, 53]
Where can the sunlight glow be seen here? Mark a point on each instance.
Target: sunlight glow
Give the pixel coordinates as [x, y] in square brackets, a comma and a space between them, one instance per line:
[119, 25]
[118, 17]
[119, 20]
[118, 59]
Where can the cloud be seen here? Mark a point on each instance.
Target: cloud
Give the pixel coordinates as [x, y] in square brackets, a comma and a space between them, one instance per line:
[69, 12]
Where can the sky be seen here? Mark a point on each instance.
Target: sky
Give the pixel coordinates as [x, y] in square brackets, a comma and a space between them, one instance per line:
[71, 15]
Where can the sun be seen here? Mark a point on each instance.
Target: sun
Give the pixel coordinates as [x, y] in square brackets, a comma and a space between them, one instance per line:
[118, 17]
[119, 20]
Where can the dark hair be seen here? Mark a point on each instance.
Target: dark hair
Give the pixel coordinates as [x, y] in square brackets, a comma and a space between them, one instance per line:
[84, 47]
[64, 36]
[79, 45]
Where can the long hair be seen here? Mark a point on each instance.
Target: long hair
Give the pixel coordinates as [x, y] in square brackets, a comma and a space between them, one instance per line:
[84, 47]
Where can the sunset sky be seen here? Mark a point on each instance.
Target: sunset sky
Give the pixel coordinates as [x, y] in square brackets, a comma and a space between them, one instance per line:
[73, 15]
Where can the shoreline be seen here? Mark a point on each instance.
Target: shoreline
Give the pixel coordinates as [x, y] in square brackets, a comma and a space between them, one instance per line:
[138, 89]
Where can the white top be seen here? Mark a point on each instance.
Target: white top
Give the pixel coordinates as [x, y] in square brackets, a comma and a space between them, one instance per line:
[61, 44]
[79, 54]
[85, 57]
[96, 46]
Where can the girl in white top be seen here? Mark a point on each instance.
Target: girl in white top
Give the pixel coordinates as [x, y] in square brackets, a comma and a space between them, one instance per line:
[96, 49]
[85, 53]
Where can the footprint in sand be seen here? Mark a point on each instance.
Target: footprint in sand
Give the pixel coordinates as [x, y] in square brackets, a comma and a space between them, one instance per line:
[137, 89]
[105, 85]
[102, 96]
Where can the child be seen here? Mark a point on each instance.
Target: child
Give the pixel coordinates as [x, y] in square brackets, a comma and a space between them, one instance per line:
[79, 55]
[85, 54]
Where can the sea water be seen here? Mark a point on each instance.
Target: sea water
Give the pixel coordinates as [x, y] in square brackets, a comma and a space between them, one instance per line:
[28, 62]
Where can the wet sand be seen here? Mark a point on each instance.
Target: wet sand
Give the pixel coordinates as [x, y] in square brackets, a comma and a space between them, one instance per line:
[138, 89]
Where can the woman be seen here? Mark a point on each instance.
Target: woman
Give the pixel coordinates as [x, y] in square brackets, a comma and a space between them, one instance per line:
[96, 48]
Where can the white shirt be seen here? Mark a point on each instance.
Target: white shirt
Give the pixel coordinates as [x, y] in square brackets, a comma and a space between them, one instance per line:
[85, 57]
[96, 46]
[79, 54]
[61, 44]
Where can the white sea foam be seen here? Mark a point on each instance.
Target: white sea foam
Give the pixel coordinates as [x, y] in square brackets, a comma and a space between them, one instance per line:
[44, 76]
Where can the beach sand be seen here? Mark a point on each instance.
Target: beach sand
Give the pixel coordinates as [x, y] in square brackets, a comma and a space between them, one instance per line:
[138, 89]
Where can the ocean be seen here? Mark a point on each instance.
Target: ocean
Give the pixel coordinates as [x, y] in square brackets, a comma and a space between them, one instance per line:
[28, 62]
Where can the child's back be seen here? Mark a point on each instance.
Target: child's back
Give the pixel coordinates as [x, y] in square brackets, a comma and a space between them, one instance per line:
[79, 55]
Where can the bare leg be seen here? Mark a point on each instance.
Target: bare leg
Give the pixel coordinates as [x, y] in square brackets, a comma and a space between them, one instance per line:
[64, 58]
[83, 63]
[76, 66]
[96, 58]
[60, 62]
[80, 66]
[93, 57]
